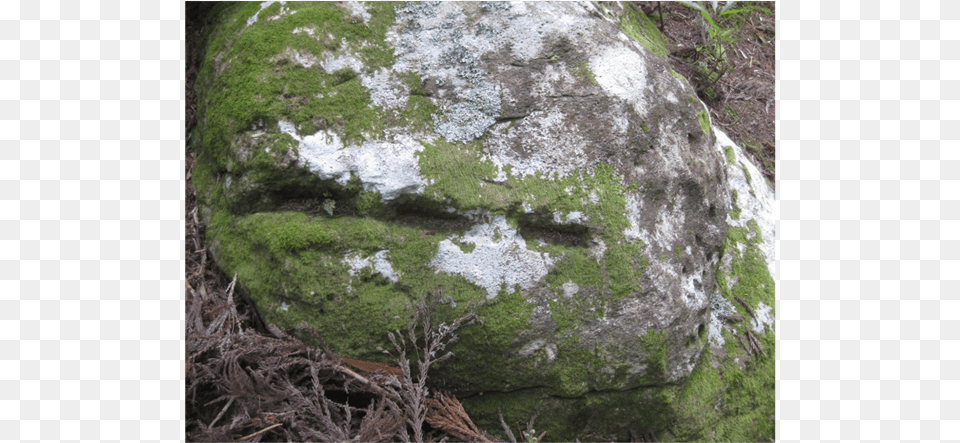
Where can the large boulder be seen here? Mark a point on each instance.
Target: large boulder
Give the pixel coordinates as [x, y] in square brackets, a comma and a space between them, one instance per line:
[539, 158]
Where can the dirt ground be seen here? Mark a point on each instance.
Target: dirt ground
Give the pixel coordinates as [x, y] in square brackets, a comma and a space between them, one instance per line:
[219, 312]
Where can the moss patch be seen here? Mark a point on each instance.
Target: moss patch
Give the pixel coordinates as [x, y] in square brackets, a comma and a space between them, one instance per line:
[581, 71]
[272, 84]
[734, 209]
[678, 75]
[733, 401]
[726, 403]
[731, 156]
[746, 173]
[753, 281]
[570, 419]
[654, 343]
[292, 259]
[643, 30]
[704, 121]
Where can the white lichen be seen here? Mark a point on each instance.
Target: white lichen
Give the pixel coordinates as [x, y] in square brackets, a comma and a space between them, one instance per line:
[497, 260]
[763, 319]
[621, 72]
[388, 167]
[754, 198]
[719, 306]
[379, 262]
[263, 5]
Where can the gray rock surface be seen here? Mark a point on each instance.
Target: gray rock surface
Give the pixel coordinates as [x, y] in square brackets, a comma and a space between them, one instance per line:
[529, 156]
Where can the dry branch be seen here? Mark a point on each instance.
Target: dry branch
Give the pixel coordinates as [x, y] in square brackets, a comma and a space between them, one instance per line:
[745, 347]
[225, 407]
[260, 432]
[755, 343]
[749, 311]
[731, 318]
[448, 414]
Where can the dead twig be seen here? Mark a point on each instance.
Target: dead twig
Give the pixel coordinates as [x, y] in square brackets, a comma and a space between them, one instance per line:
[513, 438]
[259, 432]
[749, 311]
[448, 414]
[225, 407]
[435, 338]
[731, 318]
[755, 343]
[745, 347]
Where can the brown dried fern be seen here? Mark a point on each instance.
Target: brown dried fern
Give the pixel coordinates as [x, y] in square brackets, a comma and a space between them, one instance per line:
[447, 413]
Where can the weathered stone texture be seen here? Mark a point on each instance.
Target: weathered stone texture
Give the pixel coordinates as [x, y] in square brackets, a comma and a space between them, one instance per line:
[527, 155]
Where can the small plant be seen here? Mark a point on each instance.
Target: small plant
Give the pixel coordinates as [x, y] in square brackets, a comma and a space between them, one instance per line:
[717, 34]
[529, 436]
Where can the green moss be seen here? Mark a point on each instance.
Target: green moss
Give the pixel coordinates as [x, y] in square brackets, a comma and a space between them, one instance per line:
[654, 344]
[272, 85]
[734, 209]
[731, 156]
[269, 11]
[480, 364]
[733, 401]
[298, 259]
[570, 419]
[726, 403]
[566, 318]
[704, 120]
[746, 173]
[574, 370]
[754, 283]
[367, 202]
[678, 75]
[581, 71]
[466, 247]
[276, 252]
[416, 114]
[643, 30]
[570, 412]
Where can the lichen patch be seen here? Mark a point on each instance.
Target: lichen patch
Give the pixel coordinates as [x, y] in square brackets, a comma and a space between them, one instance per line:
[763, 318]
[694, 297]
[499, 258]
[380, 263]
[754, 198]
[387, 167]
[263, 5]
[622, 73]
[358, 10]
[719, 306]
[385, 92]
[559, 146]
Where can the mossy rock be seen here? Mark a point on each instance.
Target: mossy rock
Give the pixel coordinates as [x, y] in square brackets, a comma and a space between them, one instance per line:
[529, 160]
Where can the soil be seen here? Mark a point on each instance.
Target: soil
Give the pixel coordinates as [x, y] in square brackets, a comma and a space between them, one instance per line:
[744, 108]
